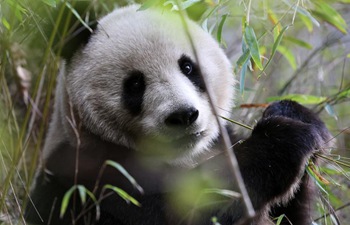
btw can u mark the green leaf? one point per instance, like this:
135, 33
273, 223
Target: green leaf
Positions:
279, 219
274, 48
6, 23
149, 3
76, 14
51, 3
125, 173
330, 110
65, 200
298, 42
123, 194
307, 22
330, 15
276, 32
242, 76
220, 27
303, 12
82, 193
288, 54
344, 94
188, 3
227, 193
253, 46
302, 99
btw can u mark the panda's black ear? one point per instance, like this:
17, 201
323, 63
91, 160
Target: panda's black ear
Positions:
71, 27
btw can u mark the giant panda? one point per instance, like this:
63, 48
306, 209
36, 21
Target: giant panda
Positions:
134, 93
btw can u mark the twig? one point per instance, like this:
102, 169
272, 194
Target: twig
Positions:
326, 44
233, 164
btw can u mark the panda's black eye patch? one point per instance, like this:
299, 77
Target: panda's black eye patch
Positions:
134, 87
191, 71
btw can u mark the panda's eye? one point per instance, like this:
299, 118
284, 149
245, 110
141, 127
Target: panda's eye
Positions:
187, 68
134, 87
135, 84
191, 70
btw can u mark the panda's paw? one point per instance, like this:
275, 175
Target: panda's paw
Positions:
295, 111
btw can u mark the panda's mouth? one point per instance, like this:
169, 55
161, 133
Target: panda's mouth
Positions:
191, 138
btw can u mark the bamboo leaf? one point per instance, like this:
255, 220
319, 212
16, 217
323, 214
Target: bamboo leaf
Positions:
298, 42
227, 193
51, 3
6, 23
307, 22
253, 46
65, 200
123, 194
243, 58
303, 12
279, 219
77, 15
220, 27
121, 169
149, 3
274, 47
82, 193
288, 55
330, 15
302, 99
242, 78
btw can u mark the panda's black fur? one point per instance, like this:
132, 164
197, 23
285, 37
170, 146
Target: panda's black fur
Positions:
272, 160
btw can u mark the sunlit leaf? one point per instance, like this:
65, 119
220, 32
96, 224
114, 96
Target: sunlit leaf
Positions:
344, 94
77, 15
220, 27
330, 15
82, 193
274, 47
223, 192
279, 219
298, 42
6, 23
302, 99
288, 54
276, 33
272, 17
123, 194
307, 22
330, 110
65, 200
121, 169
149, 3
242, 77
188, 3
51, 3
181, 5
253, 46
303, 11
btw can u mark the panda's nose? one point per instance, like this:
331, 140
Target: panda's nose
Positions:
183, 117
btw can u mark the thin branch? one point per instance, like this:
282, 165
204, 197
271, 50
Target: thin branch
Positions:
326, 44
233, 163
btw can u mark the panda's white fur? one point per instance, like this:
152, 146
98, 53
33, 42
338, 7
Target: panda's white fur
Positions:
95, 120
152, 45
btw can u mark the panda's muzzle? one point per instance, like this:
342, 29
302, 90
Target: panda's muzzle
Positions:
182, 118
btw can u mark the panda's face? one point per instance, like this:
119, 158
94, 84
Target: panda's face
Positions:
137, 83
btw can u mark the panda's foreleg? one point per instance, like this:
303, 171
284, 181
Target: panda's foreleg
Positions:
273, 159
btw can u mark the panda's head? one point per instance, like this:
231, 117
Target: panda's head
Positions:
137, 83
